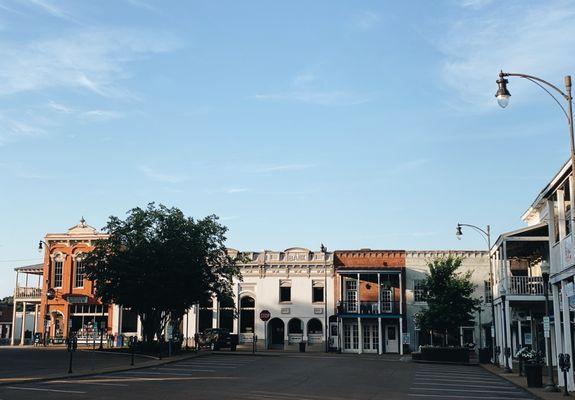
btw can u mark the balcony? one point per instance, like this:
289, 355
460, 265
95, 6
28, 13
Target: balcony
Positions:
525, 285
27, 293
368, 307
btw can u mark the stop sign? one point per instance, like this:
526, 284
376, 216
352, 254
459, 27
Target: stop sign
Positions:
265, 315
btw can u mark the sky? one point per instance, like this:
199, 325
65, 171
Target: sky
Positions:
353, 124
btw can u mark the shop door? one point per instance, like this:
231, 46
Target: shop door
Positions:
350, 337
391, 339
370, 337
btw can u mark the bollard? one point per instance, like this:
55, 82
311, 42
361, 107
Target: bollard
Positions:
72, 346
132, 349
254, 338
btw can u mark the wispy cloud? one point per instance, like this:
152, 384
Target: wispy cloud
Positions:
407, 166
61, 108
50, 8
101, 115
142, 4
158, 176
475, 4
12, 129
366, 20
284, 167
533, 38
94, 60
330, 98
19, 170
306, 88
236, 190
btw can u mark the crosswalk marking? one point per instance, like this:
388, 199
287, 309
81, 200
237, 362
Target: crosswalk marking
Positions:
34, 389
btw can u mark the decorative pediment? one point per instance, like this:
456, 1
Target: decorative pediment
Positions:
82, 228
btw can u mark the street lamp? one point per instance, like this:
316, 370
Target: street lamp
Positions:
50, 294
487, 236
506, 349
545, 270
503, 96
323, 249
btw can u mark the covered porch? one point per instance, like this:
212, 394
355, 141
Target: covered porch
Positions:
27, 298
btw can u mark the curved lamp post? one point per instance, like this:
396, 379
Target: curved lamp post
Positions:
503, 97
487, 236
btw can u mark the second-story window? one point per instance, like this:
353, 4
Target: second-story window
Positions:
285, 291
487, 293
317, 294
418, 290
79, 275
58, 269
567, 207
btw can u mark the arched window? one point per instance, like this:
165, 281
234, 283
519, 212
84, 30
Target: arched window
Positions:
295, 325
314, 326
247, 314
227, 313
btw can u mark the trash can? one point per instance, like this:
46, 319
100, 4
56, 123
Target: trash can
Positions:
302, 347
485, 355
534, 373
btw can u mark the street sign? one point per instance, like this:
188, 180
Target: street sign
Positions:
492, 331
405, 338
265, 315
546, 324
77, 299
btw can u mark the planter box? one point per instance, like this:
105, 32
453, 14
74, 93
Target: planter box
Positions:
449, 354
534, 374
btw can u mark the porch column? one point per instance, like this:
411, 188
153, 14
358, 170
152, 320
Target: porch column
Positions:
139, 334
520, 334
379, 330
13, 327
116, 319
215, 313
360, 336
400, 336
499, 332
400, 299
23, 326
567, 335
380, 336
507, 310
557, 330
358, 293
35, 319
237, 320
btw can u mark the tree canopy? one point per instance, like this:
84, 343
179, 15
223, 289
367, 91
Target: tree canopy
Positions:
449, 298
159, 263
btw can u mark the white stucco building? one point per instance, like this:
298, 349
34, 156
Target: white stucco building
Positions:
296, 286
476, 262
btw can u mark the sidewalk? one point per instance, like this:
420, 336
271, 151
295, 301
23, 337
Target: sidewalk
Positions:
116, 363
521, 381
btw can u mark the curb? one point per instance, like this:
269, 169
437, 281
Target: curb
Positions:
524, 389
102, 371
444, 363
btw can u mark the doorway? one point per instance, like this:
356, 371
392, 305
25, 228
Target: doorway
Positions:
370, 338
276, 333
391, 339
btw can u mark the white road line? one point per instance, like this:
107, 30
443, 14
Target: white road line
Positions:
152, 373
44, 390
444, 378
187, 369
87, 383
469, 390
462, 385
443, 396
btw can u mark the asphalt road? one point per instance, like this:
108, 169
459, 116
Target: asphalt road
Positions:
285, 377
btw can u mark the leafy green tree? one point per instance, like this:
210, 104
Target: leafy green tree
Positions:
449, 298
159, 263
7, 300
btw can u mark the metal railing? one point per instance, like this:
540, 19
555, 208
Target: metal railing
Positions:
27, 292
525, 285
368, 307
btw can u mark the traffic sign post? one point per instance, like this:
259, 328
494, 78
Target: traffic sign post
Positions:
265, 316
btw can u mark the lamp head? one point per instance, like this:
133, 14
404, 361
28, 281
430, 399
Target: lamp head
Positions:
502, 94
458, 232
40, 245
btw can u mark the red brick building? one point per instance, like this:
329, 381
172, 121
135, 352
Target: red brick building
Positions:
370, 291
74, 307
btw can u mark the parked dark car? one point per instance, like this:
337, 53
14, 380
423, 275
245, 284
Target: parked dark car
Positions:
217, 338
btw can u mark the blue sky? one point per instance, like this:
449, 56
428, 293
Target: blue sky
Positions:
355, 124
